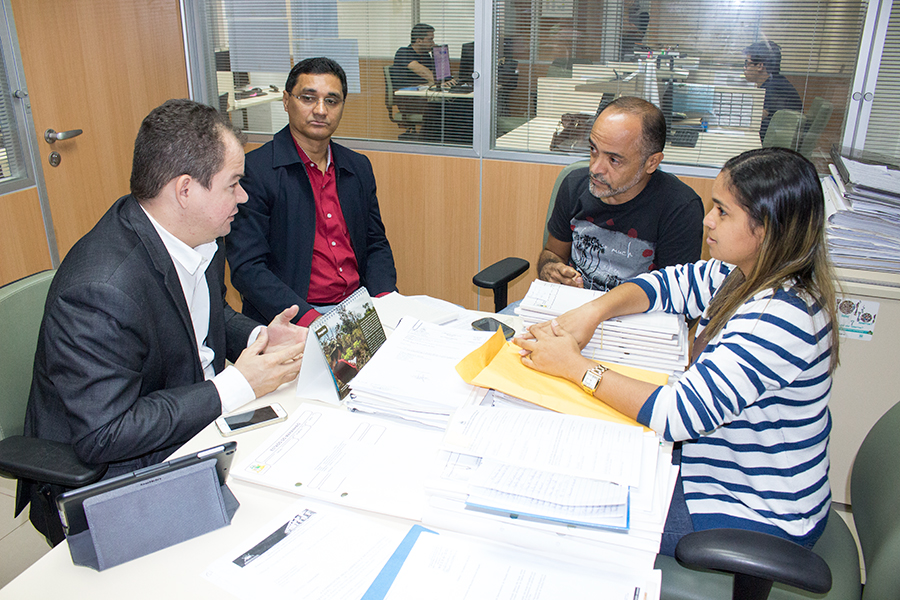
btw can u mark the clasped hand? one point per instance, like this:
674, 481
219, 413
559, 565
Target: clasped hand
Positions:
275, 356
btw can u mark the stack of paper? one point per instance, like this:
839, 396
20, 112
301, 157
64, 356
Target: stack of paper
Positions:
863, 226
320, 552
656, 341
535, 477
413, 375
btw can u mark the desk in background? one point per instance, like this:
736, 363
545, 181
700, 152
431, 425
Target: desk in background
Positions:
712, 148
447, 114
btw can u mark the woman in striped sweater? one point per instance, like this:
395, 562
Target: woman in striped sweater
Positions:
752, 409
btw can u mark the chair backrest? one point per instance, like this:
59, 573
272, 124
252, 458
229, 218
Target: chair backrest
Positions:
21, 312
562, 175
389, 91
875, 496
784, 130
819, 115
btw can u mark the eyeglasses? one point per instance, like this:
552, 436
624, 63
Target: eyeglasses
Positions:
749, 62
310, 100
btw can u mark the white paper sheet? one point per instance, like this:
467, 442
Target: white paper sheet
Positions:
346, 458
555, 442
454, 568
311, 551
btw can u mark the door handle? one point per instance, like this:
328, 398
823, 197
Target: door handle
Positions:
51, 136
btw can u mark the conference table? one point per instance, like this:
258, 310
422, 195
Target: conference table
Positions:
178, 571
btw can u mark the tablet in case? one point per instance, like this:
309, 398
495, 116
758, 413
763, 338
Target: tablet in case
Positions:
125, 517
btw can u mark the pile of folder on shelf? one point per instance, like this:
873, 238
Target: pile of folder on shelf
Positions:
862, 200
654, 341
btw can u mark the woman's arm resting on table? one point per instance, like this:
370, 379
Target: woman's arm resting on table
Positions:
554, 350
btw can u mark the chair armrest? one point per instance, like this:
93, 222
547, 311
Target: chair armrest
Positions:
755, 554
46, 461
500, 273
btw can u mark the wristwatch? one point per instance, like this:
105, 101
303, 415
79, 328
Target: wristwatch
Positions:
591, 380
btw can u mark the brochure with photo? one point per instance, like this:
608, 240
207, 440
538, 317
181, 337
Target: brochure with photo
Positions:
343, 342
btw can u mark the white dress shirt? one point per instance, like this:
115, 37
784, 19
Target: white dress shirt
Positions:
191, 265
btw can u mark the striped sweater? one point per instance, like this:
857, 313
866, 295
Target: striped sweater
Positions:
753, 409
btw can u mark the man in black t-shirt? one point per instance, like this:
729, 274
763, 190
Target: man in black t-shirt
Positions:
621, 216
414, 64
762, 66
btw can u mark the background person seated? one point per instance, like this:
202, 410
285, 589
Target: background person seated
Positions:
762, 66
622, 216
310, 233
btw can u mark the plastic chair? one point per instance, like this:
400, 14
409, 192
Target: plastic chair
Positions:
34, 460
498, 275
784, 130
875, 489
406, 120
816, 120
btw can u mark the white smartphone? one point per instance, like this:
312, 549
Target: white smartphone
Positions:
253, 419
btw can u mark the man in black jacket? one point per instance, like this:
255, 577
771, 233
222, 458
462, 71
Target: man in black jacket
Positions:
310, 233
130, 361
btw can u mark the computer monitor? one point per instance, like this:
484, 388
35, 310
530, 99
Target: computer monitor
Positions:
467, 63
441, 63
692, 100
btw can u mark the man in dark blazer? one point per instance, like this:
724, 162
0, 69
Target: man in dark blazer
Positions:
130, 362
311, 232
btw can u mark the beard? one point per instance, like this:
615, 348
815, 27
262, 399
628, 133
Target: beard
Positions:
599, 188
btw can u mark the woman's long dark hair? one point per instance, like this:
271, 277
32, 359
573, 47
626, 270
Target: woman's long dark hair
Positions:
780, 191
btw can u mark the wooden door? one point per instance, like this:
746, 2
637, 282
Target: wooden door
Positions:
99, 66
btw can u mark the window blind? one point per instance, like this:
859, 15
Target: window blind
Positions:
686, 56
257, 43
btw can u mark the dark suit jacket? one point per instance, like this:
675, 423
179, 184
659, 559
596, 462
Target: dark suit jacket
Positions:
117, 373
270, 246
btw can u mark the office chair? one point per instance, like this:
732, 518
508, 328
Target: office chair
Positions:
875, 491
784, 130
406, 120
51, 465
497, 276
816, 120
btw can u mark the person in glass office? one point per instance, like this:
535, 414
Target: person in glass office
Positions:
752, 408
414, 63
622, 215
762, 66
310, 232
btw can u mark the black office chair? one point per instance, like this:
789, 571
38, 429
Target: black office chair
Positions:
875, 494
497, 276
52, 466
404, 119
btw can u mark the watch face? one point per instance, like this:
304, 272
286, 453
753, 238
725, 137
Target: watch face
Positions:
590, 380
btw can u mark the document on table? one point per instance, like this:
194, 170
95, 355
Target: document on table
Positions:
418, 362
347, 458
531, 493
567, 444
312, 551
452, 567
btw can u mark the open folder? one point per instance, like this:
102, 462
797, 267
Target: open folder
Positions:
497, 365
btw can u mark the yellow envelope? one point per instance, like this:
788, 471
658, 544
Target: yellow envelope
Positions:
497, 365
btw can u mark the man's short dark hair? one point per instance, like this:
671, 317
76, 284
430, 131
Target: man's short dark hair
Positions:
181, 137
767, 53
653, 122
318, 65
419, 31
